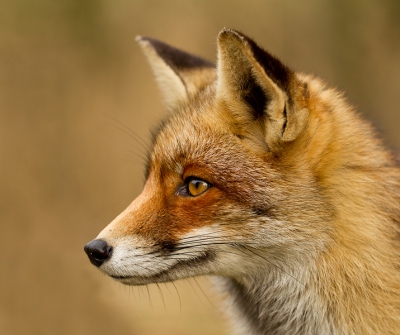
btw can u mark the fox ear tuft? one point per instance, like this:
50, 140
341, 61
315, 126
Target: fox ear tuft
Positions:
256, 88
179, 74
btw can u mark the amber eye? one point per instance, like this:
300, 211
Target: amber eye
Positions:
197, 187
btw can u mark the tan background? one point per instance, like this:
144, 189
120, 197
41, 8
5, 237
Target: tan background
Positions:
70, 72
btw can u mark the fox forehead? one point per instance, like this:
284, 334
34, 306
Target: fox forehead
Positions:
200, 133
187, 136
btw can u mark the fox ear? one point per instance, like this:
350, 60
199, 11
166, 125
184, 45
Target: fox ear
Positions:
257, 89
179, 74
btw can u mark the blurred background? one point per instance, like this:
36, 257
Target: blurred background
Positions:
72, 80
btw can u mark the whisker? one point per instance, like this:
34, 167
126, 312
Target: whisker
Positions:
184, 251
145, 151
179, 297
129, 152
194, 290
148, 293
130, 132
162, 296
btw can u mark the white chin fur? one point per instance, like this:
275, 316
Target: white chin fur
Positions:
136, 258
136, 261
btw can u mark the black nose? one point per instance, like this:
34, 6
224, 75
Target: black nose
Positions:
98, 251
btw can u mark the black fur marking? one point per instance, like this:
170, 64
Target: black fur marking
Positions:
285, 122
259, 211
262, 211
241, 137
175, 58
255, 97
168, 246
274, 68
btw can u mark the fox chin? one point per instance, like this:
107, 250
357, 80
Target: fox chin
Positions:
269, 180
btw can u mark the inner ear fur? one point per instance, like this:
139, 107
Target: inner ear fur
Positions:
257, 88
180, 75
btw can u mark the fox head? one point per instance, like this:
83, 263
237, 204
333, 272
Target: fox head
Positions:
232, 180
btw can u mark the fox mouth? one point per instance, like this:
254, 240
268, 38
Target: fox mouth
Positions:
180, 270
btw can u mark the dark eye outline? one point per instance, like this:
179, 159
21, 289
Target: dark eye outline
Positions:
184, 189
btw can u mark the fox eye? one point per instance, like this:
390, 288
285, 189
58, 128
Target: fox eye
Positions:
196, 187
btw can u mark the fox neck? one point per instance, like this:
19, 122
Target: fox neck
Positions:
277, 303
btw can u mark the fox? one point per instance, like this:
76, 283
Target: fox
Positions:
271, 183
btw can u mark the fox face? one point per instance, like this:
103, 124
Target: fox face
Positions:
215, 193
264, 177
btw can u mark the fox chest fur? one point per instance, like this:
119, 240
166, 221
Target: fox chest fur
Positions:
269, 181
